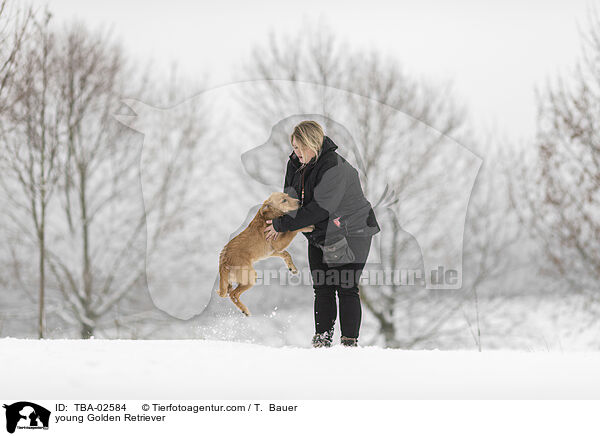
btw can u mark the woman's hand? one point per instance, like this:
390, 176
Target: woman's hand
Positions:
271, 233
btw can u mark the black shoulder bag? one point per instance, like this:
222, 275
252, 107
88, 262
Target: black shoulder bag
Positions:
337, 252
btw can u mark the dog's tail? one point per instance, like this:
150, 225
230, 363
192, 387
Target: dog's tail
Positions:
224, 285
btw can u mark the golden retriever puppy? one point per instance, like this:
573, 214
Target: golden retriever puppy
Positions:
238, 256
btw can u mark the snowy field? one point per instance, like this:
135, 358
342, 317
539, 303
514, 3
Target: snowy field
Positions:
195, 369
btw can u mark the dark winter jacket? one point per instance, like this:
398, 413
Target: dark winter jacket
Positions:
331, 190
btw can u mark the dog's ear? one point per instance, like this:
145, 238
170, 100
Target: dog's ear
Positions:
266, 209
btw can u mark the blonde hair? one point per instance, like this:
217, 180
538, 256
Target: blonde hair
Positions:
309, 135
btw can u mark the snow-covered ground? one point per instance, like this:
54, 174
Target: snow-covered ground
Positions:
196, 369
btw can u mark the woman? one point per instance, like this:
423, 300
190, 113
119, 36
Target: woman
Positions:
332, 199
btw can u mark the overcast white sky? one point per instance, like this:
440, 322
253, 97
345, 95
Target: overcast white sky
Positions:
495, 52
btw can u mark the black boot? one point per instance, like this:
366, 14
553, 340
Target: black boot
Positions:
349, 342
323, 340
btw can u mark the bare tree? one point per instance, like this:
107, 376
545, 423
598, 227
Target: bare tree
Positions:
15, 22
31, 145
104, 217
99, 244
556, 188
73, 171
399, 109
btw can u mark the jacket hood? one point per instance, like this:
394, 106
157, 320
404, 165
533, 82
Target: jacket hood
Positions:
328, 145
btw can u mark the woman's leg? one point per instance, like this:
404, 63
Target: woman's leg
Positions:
325, 307
350, 308
350, 312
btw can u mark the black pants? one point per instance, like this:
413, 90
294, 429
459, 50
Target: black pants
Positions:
327, 279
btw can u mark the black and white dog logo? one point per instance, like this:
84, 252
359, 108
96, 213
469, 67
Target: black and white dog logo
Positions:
26, 415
